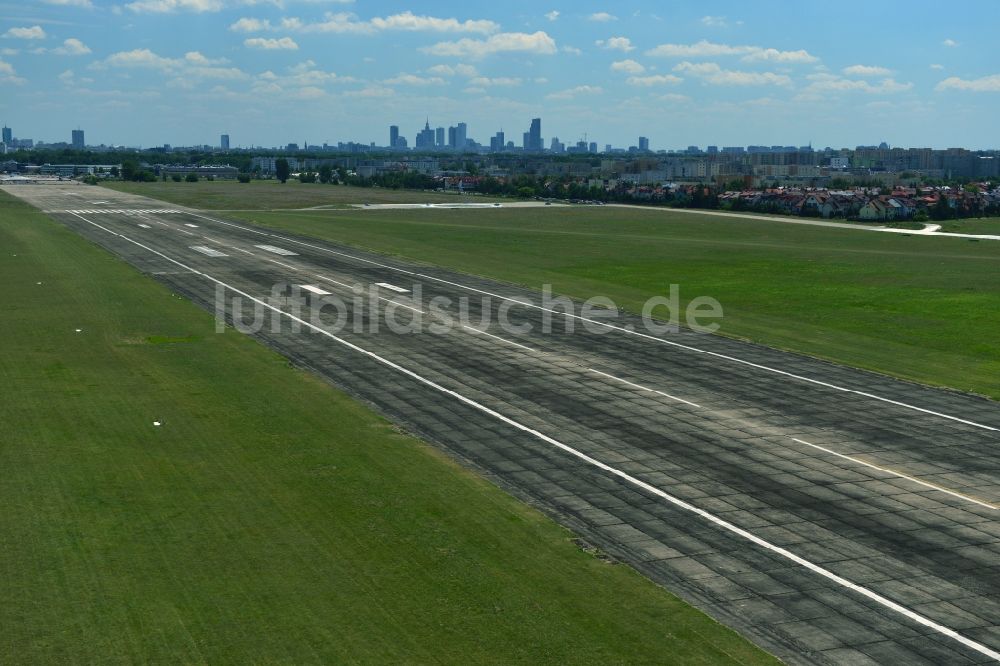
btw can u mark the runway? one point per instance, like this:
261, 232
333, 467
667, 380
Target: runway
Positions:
829, 514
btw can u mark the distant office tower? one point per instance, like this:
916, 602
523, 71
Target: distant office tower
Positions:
8, 136
452, 133
439, 137
607, 147
593, 146
393, 136
425, 137
224, 142
643, 143
497, 144
78, 139
461, 138
533, 137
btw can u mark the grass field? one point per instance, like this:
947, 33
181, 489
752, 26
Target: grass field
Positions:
985, 225
270, 194
926, 309
270, 518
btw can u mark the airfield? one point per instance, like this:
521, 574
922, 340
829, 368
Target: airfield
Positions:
828, 514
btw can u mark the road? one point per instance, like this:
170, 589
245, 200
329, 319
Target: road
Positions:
829, 514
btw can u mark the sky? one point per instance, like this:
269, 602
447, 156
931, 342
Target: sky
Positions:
270, 72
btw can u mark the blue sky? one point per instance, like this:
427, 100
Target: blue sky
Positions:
268, 72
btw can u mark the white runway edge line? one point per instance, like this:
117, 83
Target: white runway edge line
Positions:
643, 388
473, 329
933, 486
676, 501
620, 329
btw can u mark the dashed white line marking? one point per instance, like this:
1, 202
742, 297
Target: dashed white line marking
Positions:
283, 265
620, 329
381, 298
211, 252
473, 329
643, 388
277, 250
625, 476
315, 289
899, 474
392, 287
193, 226
145, 226
239, 249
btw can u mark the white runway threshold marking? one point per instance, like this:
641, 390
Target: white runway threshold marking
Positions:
315, 289
933, 486
625, 476
643, 388
211, 252
392, 287
277, 250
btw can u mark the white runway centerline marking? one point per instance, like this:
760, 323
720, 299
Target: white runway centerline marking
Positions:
473, 329
211, 252
188, 224
392, 287
625, 476
644, 388
273, 261
315, 290
145, 226
277, 250
899, 474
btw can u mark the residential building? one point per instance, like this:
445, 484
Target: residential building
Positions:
224, 142
644, 144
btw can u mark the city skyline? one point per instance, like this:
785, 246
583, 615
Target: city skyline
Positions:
149, 72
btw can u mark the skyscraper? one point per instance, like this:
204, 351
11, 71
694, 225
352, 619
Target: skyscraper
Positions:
8, 135
393, 136
461, 138
224, 142
643, 144
425, 137
497, 144
78, 139
452, 133
533, 137
439, 137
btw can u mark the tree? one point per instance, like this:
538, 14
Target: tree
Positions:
130, 170
176, 177
243, 178
191, 178
281, 169
325, 174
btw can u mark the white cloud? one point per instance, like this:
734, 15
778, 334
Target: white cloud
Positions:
143, 58
710, 72
282, 44
675, 98
602, 17
553, 15
780, 56
72, 47
193, 65
8, 74
937, 66
717, 21
170, 6
371, 91
9, 51
572, 50
452, 70
707, 49
483, 81
250, 25
86, 4
616, 44
570, 93
628, 66
414, 80
34, 32
474, 91
67, 77
505, 42
950, 43
825, 83
866, 70
983, 84
344, 22
654, 80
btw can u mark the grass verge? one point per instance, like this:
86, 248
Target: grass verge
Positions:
269, 518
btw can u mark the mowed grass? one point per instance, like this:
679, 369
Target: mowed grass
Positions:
271, 194
270, 519
983, 225
926, 309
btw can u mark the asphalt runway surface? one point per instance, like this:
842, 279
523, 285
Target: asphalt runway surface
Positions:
829, 514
